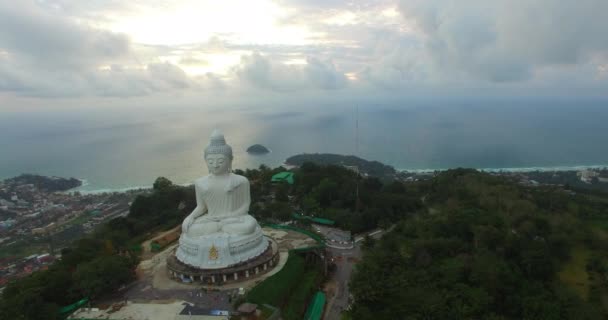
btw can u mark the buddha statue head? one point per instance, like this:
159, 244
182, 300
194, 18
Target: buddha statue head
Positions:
218, 154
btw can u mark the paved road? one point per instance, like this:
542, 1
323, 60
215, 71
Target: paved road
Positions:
344, 270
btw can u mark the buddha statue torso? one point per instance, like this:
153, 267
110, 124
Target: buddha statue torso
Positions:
220, 223
224, 195
226, 199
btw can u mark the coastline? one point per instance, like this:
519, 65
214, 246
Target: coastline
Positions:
108, 190
122, 189
516, 169
87, 183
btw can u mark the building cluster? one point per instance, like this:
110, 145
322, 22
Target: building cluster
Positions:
14, 269
29, 211
591, 176
521, 177
412, 176
556, 177
34, 220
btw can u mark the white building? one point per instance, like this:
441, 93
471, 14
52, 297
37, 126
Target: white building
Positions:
587, 175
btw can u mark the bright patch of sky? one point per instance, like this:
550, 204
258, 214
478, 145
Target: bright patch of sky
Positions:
187, 22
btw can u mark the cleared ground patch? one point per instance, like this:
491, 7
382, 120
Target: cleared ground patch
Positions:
574, 272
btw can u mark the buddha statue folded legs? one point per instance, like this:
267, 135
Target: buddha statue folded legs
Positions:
237, 226
219, 232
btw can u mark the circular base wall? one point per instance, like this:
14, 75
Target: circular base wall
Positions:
261, 264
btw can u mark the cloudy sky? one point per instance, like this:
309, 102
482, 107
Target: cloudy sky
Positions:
94, 51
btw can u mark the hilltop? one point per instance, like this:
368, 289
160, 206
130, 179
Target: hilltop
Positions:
44, 183
371, 168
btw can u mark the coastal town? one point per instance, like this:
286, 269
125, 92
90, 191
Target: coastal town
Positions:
40, 215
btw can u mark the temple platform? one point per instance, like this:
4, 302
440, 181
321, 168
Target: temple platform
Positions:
244, 271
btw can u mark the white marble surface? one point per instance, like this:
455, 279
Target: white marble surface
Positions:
219, 232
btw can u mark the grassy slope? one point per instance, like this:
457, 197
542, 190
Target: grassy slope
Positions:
574, 273
289, 289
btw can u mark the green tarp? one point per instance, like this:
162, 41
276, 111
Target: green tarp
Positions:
313, 235
71, 308
155, 246
283, 176
315, 220
315, 308
323, 221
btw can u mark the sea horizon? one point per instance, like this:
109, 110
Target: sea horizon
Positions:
121, 149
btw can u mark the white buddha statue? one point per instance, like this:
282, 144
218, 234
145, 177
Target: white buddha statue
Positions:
219, 232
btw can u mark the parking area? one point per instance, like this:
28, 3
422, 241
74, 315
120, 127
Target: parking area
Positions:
335, 238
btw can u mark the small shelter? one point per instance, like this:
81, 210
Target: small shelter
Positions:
322, 221
286, 176
247, 310
196, 313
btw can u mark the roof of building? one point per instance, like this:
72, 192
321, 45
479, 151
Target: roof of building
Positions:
323, 221
247, 307
71, 308
314, 219
194, 310
283, 176
316, 306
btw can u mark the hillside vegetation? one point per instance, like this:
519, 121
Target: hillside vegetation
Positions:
98, 265
463, 245
487, 248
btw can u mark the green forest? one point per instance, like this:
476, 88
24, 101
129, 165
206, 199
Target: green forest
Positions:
331, 192
462, 245
483, 247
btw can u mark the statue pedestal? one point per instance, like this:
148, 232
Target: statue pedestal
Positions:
220, 250
243, 271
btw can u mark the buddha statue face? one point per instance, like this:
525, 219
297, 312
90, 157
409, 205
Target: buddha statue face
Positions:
218, 164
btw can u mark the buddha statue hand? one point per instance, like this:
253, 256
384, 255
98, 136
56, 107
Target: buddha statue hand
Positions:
187, 223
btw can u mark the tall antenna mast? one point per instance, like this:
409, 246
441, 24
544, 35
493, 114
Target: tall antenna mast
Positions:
357, 131
357, 155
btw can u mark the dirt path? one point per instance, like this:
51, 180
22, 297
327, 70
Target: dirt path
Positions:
145, 246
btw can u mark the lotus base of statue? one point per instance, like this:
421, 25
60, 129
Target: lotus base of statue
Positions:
214, 277
220, 250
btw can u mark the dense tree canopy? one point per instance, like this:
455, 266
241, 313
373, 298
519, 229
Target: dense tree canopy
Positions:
485, 248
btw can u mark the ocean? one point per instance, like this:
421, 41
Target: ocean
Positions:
125, 148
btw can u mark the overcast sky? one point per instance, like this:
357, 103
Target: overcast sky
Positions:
94, 51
